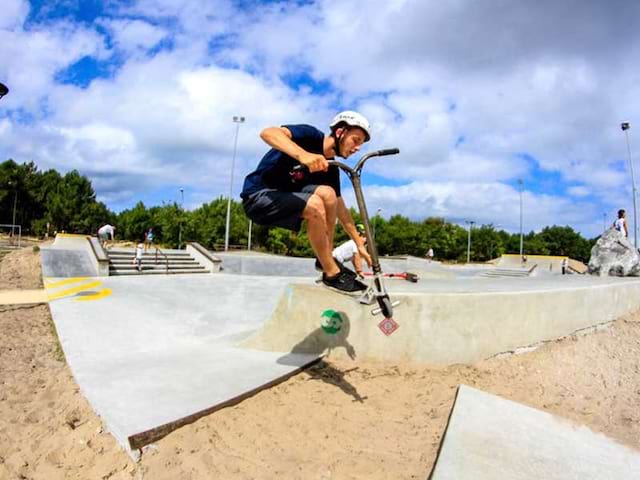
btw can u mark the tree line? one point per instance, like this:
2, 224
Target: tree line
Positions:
48, 202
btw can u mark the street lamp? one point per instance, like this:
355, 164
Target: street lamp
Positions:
470, 223
375, 221
521, 183
14, 184
626, 126
249, 240
604, 221
494, 228
237, 121
3, 90
180, 220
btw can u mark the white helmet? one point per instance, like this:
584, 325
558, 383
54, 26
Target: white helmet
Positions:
353, 119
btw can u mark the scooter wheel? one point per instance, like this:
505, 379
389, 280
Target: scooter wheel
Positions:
385, 307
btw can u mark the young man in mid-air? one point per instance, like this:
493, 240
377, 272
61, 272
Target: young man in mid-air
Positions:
272, 195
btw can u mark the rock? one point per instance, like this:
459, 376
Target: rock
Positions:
614, 255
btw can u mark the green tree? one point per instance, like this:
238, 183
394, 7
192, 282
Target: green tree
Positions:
70, 207
132, 223
486, 243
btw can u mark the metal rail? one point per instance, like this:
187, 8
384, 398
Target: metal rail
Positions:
166, 259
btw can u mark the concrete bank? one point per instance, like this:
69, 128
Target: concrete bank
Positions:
440, 327
489, 437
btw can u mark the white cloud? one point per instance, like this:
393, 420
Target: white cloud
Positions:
578, 191
464, 89
483, 203
31, 59
14, 13
134, 36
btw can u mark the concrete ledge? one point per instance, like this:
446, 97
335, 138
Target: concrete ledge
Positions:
99, 257
204, 257
442, 328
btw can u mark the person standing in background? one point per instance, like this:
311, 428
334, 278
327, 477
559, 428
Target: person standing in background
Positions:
621, 223
430, 254
105, 233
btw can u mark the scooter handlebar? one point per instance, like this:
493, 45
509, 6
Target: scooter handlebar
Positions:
387, 151
297, 173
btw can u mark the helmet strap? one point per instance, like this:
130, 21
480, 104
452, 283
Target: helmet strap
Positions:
337, 140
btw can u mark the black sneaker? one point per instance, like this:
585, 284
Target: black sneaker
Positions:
344, 282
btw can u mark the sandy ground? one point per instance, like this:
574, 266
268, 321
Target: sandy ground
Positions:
338, 420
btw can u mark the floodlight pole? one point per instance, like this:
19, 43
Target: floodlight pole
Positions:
375, 221
249, 240
470, 223
626, 126
15, 202
521, 183
180, 219
237, 121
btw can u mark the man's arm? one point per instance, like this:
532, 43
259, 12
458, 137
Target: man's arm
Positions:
280, 138
357, 263
350, 227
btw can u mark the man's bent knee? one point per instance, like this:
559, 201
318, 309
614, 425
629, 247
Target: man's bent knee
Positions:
326, 193
315, 208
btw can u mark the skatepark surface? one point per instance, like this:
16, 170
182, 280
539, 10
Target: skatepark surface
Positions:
154, 353
490, 438
160, 352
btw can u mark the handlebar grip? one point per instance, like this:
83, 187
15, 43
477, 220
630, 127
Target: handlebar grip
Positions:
388, 151
298, 173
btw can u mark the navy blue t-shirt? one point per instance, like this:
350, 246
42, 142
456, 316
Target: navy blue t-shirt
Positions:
274, 170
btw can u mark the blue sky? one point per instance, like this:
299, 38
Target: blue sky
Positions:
139, 96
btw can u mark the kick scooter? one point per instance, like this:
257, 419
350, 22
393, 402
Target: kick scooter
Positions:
376, 291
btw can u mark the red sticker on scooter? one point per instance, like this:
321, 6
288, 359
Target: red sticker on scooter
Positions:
388, 326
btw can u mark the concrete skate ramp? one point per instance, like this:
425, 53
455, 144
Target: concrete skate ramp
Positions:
548, 263
68, 256
159, 352
252, 263
490, 438
262, 264
446, 323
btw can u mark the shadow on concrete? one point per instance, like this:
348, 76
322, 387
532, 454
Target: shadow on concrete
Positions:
332, 334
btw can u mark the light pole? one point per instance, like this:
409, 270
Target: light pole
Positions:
626, 126
180, 219
604, 221
375, 221
237, 121
495, 229
470, 223
3, 90
521, 183
14, 184
249, 241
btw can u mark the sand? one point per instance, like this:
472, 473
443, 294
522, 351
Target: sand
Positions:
337, 420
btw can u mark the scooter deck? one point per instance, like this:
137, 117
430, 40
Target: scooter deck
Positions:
362, 297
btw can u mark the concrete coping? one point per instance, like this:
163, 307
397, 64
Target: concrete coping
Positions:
98, 251
100, 257
204, 257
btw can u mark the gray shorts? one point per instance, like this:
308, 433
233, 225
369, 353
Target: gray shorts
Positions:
274, 208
